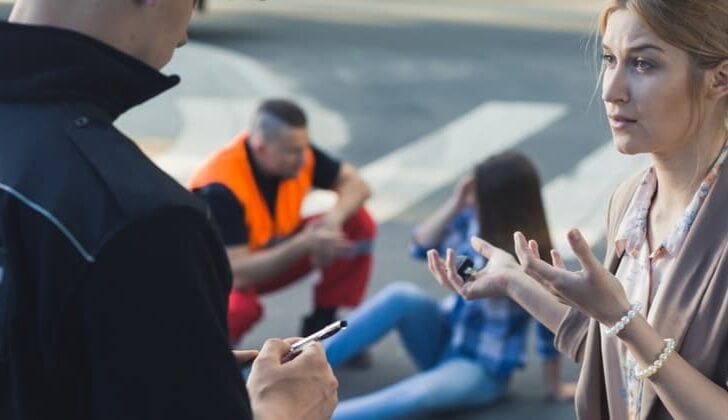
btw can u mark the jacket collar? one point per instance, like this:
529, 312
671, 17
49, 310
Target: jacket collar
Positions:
42, 63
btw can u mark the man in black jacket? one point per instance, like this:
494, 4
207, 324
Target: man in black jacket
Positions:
113, 285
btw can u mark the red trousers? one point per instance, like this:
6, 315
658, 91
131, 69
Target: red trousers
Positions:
342, 283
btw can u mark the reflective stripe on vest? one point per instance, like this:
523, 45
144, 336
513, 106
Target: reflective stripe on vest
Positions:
230, 166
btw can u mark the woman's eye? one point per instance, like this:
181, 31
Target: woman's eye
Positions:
608, 59
642, 65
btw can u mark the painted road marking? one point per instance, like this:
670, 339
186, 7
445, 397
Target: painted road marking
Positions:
410, 173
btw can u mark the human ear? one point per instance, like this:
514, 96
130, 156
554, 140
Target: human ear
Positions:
256, 143
718, 81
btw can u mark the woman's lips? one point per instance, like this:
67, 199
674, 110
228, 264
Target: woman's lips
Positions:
619, 122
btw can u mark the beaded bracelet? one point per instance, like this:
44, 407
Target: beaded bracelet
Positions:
619, 326
657, 364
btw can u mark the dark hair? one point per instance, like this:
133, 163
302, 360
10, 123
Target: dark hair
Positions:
286, 111
508, 196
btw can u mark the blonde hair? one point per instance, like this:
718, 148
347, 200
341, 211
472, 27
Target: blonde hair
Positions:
698, 27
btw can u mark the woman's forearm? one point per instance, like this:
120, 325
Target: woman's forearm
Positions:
538, 302
685, 392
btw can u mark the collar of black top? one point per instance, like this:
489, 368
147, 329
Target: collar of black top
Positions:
42, 63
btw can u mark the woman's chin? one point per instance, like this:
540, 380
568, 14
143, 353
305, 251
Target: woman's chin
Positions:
627, 146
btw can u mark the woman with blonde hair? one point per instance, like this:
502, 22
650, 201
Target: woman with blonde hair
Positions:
650, 327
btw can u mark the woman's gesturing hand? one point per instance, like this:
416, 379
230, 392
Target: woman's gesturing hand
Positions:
492, 281
593, 290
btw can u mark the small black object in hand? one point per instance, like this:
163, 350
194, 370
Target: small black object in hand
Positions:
464, 266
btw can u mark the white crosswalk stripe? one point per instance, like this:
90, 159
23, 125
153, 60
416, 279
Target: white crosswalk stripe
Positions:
409, 174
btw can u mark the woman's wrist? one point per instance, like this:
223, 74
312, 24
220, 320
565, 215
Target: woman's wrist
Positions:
642, 339
638, 331
517, 283
615, 327
616, 312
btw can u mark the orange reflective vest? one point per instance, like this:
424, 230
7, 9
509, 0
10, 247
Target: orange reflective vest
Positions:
230, 166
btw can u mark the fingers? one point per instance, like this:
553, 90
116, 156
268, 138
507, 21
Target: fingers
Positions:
291, 340
450, 268
439, 269
304, 387
273, 350
313, 358
245, 356
521, 247
433, 264
276, 350
483, 247
531, 264
313, 351
432, 261
582, 250
557, 260
533, 246
451, 272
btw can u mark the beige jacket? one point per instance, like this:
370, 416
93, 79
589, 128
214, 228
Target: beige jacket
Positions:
694, 311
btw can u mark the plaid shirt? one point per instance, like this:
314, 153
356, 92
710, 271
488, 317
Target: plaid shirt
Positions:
493, 330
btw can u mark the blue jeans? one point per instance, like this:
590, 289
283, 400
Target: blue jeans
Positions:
447, 381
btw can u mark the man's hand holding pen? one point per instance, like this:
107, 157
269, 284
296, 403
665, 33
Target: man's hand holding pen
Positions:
306, 382
292, 370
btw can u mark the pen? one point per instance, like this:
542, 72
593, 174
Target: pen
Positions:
298, 346
319, 335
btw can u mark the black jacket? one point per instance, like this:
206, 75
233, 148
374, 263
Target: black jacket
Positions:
113, 291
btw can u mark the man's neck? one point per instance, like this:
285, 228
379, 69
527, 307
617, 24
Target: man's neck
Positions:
105, 23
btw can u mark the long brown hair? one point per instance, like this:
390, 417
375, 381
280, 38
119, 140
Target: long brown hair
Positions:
508, 199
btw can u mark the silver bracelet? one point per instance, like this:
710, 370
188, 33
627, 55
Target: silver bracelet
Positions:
629, 316
657, 364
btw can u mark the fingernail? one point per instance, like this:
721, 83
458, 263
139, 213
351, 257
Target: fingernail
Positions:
574, 235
